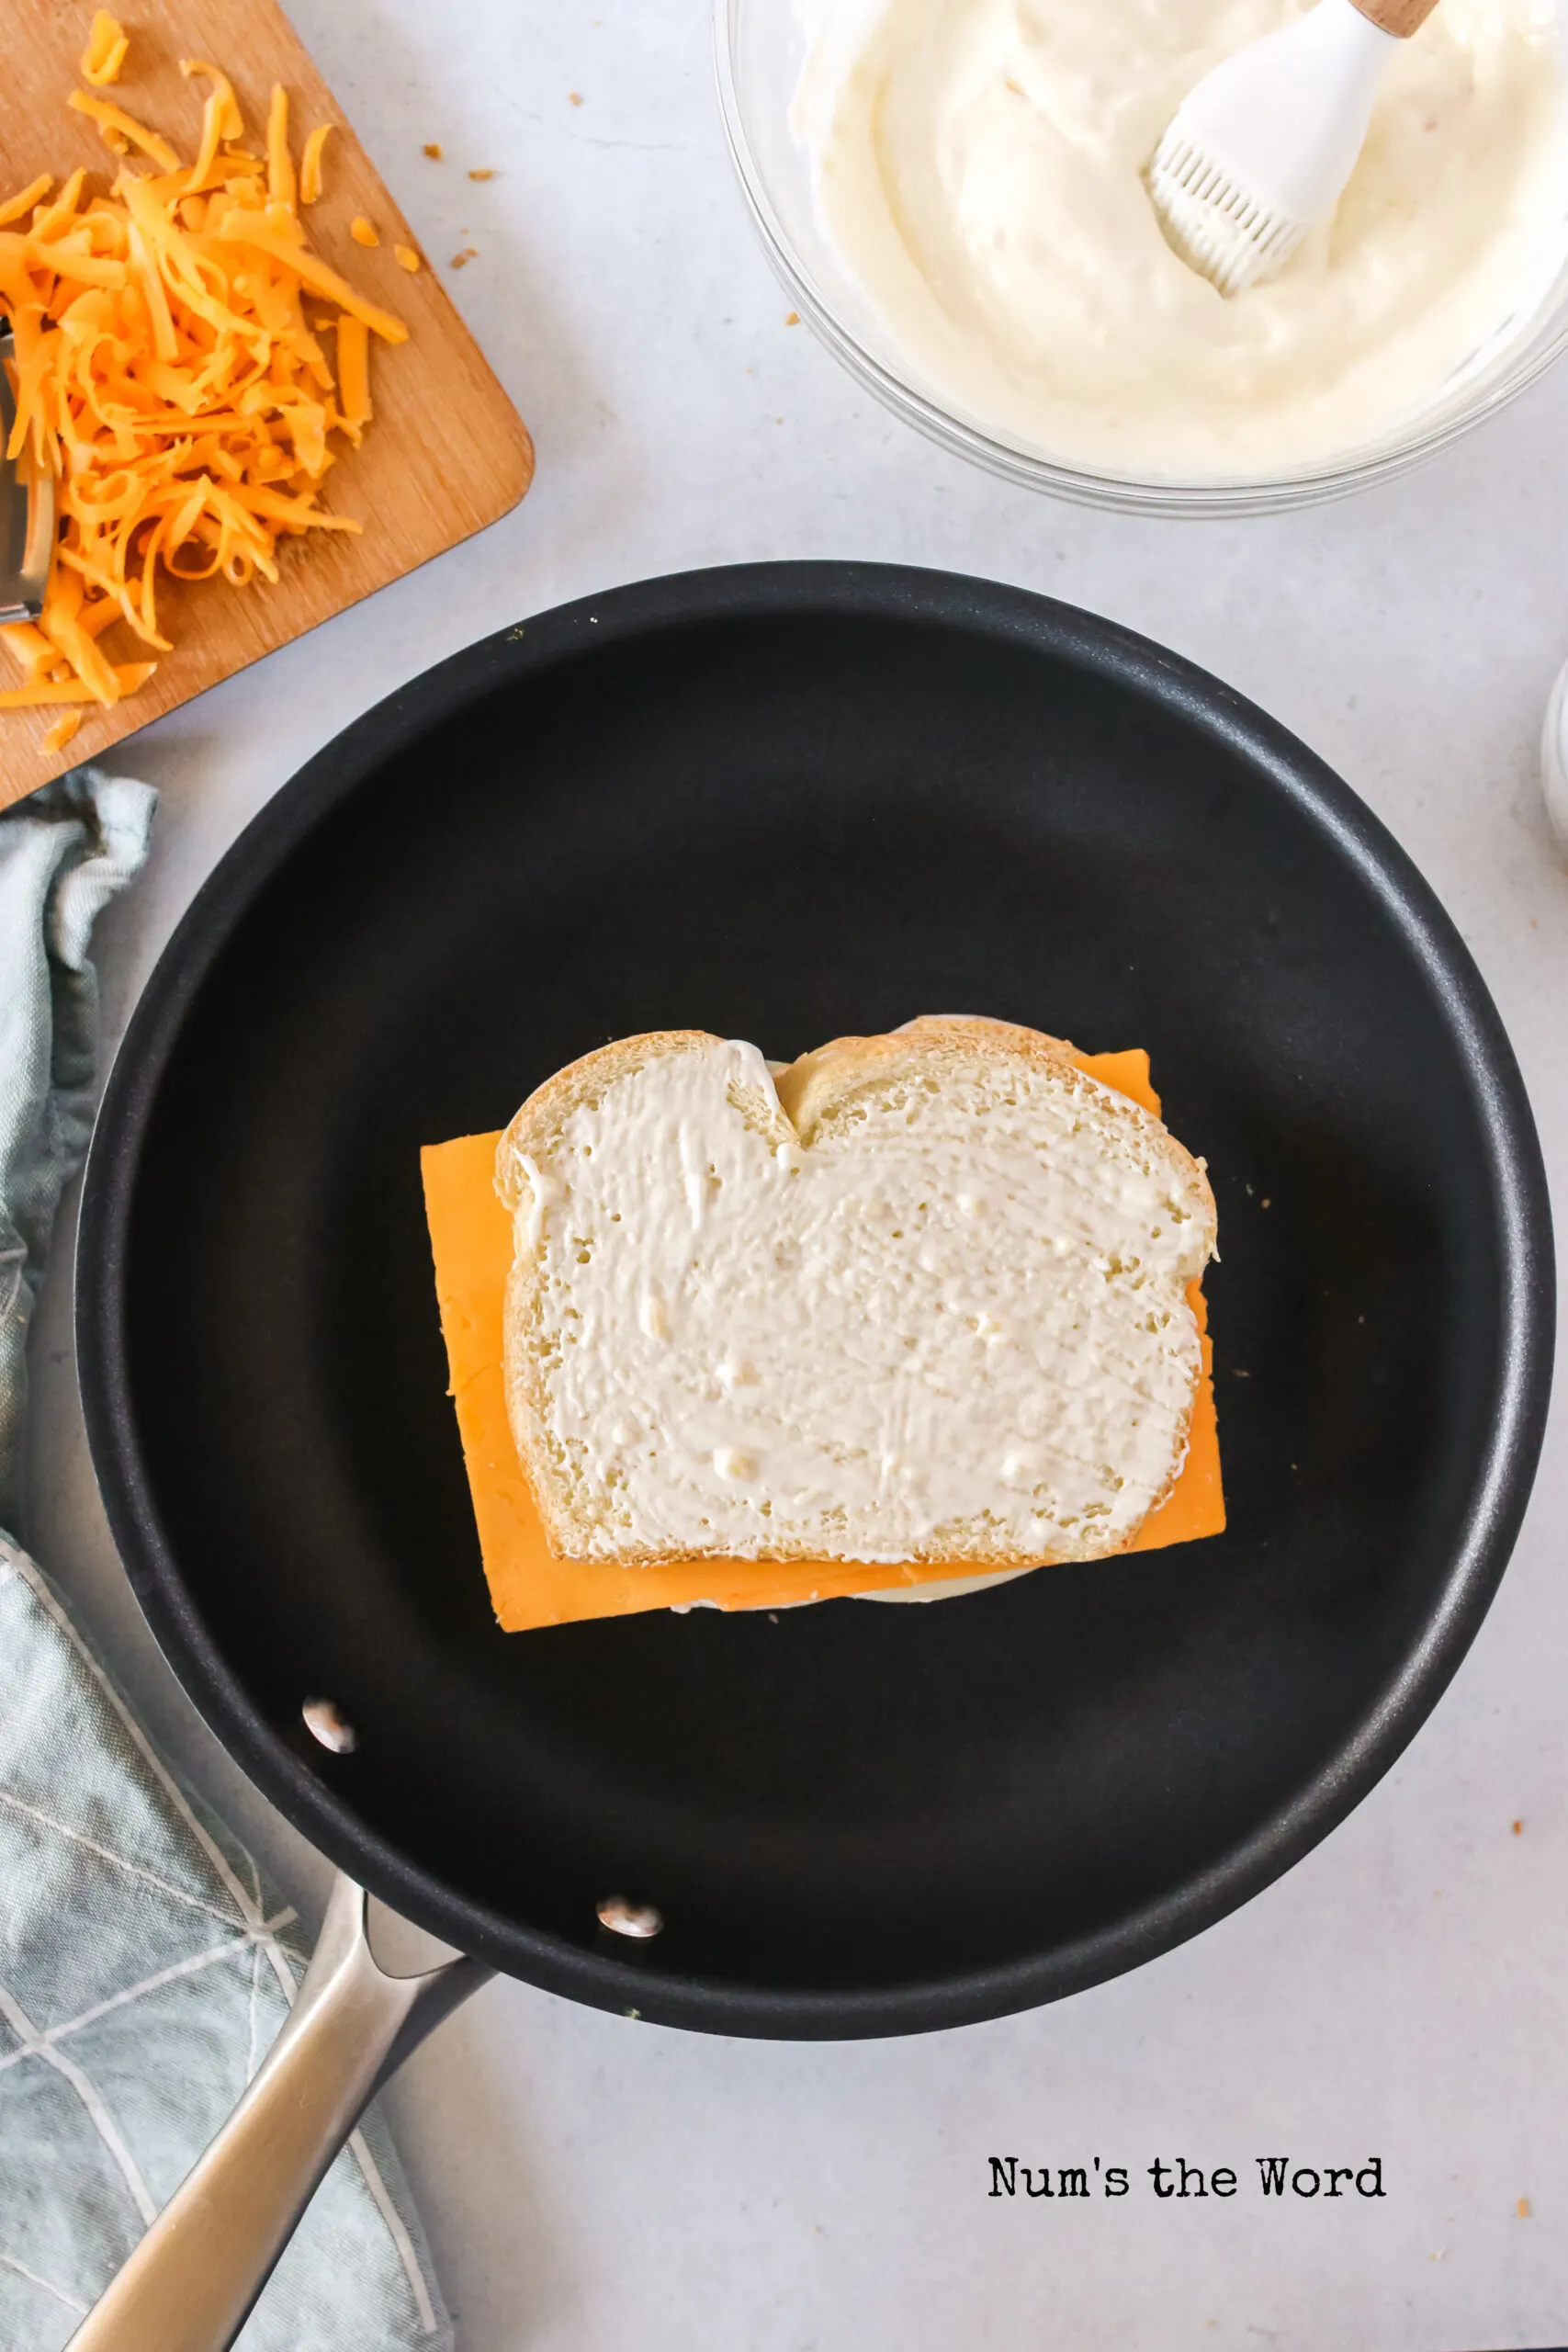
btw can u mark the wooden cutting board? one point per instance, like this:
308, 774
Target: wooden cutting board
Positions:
447, 452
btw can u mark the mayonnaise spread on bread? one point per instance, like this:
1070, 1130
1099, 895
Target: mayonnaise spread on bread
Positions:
946, 1318
978, 168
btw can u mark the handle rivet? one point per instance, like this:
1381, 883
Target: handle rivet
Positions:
323, 1722
623, 1918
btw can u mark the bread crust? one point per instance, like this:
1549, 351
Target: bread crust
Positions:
812, 1092
824, 1081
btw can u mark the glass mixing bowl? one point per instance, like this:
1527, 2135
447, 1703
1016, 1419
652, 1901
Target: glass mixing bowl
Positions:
759, 49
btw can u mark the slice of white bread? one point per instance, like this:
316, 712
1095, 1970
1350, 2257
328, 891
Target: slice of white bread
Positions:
920, 1297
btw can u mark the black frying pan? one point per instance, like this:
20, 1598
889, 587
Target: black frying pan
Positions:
784, 802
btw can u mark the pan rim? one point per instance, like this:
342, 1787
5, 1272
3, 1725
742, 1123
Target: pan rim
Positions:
1139, 666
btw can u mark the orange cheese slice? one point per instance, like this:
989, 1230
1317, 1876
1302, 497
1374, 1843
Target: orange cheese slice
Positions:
471, 1240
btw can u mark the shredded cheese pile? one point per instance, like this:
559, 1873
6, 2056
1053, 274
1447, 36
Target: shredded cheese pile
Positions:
168, 375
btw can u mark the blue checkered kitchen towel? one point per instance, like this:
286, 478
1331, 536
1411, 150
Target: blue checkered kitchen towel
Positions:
143, 1966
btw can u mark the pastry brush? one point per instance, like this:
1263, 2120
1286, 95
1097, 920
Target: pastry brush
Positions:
1262, 148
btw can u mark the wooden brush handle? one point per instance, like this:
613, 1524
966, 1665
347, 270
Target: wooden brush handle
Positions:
1400, 18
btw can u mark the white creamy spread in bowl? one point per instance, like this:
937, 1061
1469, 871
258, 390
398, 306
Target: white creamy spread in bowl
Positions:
976, 169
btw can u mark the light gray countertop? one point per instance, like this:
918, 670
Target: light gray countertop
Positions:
591, 2183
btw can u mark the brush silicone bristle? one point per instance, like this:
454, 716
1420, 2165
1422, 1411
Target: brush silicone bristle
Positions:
1217, 226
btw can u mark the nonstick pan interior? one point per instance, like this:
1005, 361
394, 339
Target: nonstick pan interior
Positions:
784, 803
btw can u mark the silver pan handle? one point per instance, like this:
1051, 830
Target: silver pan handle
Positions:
190, 2285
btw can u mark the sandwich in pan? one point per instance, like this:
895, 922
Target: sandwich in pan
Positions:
914, 1310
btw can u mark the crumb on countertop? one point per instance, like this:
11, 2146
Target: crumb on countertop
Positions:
485, 172
433, 149
576, 96
461, 260
792, 318
1518, 1828
1523, 2209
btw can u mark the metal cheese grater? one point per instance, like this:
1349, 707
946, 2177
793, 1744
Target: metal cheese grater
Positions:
27, 515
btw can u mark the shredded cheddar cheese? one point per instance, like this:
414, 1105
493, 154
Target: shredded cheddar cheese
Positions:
282, 187
363, 231
122, 129
166, 373
104, 55
33, 194
406, 258
353, 370
311, 164
44, 694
